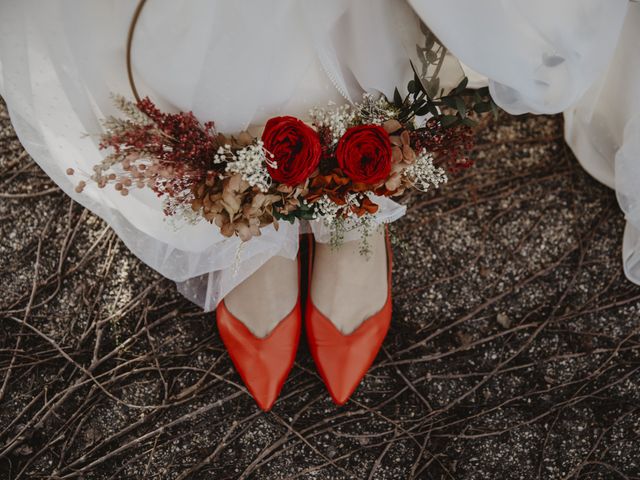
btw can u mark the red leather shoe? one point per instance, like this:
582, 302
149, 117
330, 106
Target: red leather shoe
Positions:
263, 363
343, 360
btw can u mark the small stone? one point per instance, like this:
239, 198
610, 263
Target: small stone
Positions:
503, 320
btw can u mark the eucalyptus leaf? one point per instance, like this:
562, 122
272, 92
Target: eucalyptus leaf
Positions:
415, 106
483, 92
424, 110
461, 107
291, 218
416, 78
449, 101
461, 86
448, 120
397, 98
482, 107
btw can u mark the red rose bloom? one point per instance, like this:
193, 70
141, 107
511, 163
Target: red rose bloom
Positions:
295, 148
364, 154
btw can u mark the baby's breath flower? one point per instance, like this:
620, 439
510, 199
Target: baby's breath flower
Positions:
340, 219
374, 110
423, 174
180, 212
250, 162
337, 119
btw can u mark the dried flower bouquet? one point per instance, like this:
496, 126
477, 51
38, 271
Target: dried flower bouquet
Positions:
331, 170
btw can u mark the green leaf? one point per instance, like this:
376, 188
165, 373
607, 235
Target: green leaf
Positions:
286, 218
416, 79
448, 120
469, 122
449, 101
415, 106
423, 110
461, 86
412, 87
461, 107
482, 107
397, 98
483, 92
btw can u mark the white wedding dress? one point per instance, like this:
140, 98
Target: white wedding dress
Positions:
239, 63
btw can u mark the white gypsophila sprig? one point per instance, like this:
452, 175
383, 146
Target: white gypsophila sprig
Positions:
336, 118
332, 216
181, 214
374, 110
177, 207
340, 219
250, 162
327, 210
423, 174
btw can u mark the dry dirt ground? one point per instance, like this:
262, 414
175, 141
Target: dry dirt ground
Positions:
514, 351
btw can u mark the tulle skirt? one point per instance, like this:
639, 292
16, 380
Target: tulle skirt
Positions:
236, 63
240, 63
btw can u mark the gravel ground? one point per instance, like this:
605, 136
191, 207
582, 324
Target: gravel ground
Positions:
513, 354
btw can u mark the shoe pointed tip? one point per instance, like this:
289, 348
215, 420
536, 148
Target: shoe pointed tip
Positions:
263, 363
265, 403
341, 396
340, 402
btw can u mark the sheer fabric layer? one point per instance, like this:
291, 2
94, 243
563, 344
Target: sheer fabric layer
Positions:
237, 63
576, 56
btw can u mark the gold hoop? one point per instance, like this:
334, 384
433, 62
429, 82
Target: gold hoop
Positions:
132, 27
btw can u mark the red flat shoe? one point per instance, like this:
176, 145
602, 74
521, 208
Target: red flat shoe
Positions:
263, 363
343, 360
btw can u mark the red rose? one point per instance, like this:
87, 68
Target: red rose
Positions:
295, 148
364, 154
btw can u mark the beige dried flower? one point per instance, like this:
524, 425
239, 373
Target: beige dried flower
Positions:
402, 156
235, 206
